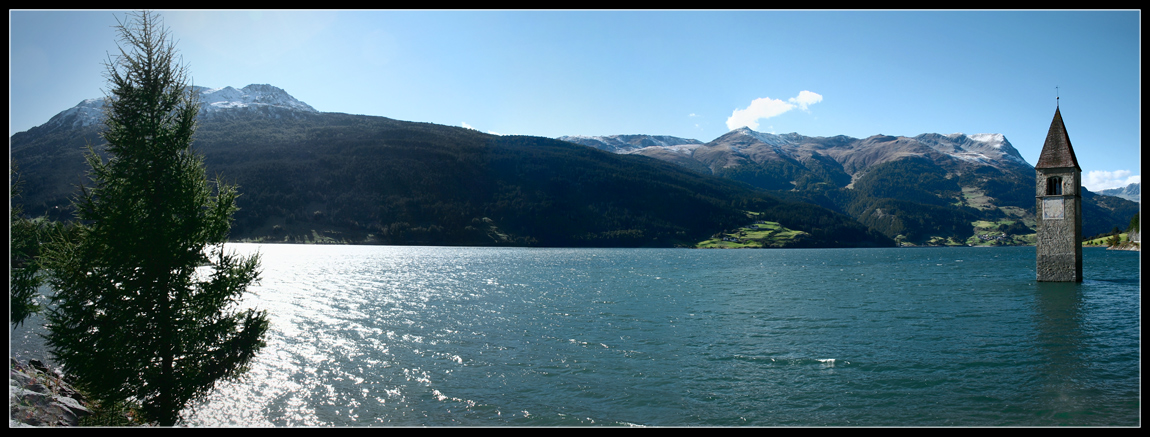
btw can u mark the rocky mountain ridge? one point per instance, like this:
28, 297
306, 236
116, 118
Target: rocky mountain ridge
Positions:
254, 95
936, 182
1132, 192
308, 176
744, 145
919, 187
214, 101
630, 143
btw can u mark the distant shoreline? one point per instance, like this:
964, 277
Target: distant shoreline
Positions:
1132, 246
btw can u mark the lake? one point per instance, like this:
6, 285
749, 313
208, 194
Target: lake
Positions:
442, 336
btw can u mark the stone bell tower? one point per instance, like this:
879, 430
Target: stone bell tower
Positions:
1059, 208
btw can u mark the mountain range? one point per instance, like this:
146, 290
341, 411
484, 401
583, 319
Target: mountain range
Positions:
744, 147
916, 189
332, 176
313, 176
1132, 192
215, 102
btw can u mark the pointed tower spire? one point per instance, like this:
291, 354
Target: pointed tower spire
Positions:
1057, 152
1058, 195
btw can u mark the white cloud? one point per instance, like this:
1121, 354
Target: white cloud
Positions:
1099, 180
805, 98
767, 107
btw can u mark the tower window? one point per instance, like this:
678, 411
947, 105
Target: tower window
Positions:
1053, 186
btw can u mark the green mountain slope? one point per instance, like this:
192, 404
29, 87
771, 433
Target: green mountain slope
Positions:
329, 177
918, 189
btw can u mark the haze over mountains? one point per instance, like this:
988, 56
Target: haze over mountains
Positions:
305, 174
1132, 192
743, 146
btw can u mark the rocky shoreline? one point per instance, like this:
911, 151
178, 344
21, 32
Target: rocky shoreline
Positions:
39, 396
1135, 246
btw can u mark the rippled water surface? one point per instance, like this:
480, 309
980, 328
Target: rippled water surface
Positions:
509, 336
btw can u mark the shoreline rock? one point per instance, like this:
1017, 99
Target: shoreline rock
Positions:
39, 396
1127, 246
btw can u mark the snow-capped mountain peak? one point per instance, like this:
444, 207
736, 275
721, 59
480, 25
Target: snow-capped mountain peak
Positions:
772, 139
255, 95
982, 148
993, 140
212, 102
87, 112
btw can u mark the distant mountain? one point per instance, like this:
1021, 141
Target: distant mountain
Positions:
631, 143
86, 113
1132, 192
213, 101
663, 147
311, 176
217, 99
915, 188
851, 156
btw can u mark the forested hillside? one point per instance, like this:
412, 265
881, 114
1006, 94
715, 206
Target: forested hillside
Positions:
917, 189
338, 177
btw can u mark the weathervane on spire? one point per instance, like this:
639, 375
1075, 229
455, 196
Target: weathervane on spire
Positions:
1056, 97
1058, 207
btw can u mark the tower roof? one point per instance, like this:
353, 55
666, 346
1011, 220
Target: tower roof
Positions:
1056, 152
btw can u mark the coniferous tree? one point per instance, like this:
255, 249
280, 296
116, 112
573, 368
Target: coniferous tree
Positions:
147, 300
23, 268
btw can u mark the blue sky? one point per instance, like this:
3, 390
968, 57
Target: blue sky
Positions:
692, 74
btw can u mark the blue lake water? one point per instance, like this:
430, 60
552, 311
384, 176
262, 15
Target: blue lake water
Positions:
436, 336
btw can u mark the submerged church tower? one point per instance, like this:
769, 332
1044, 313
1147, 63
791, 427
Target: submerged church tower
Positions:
1059, 208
